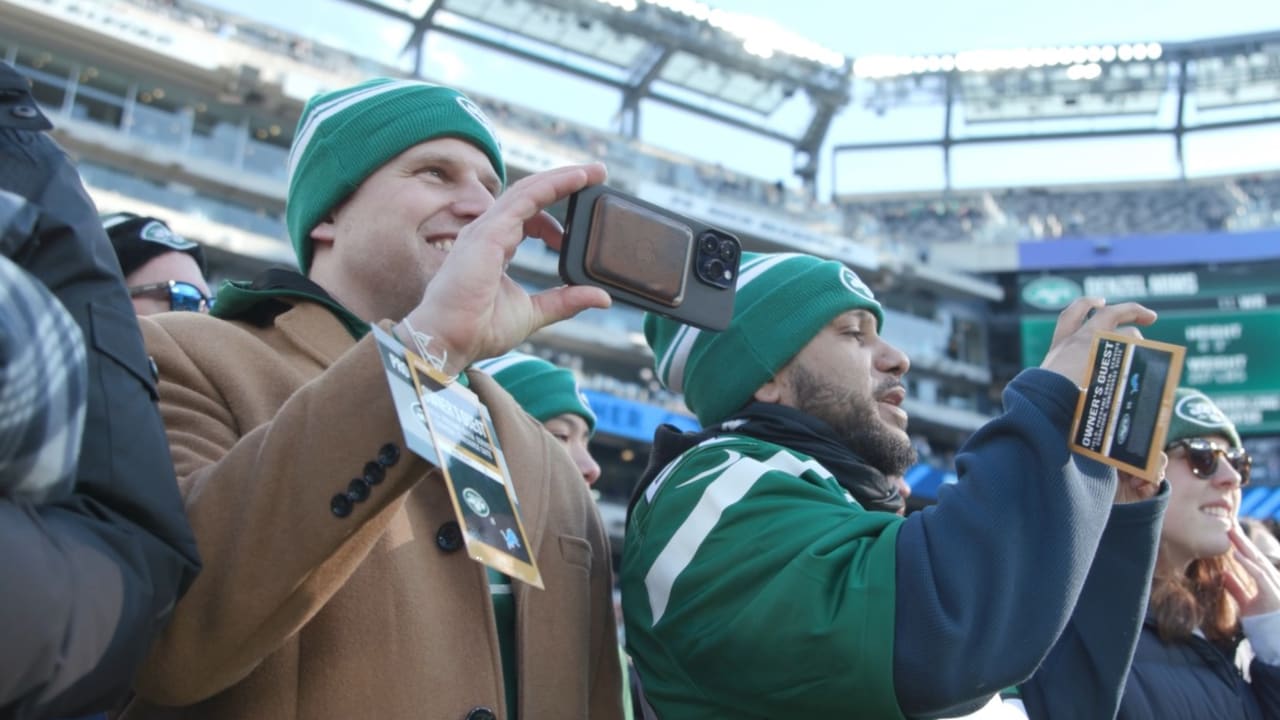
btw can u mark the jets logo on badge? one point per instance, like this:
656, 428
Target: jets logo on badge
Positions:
476, 502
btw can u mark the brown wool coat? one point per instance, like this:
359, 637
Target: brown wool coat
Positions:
302, 614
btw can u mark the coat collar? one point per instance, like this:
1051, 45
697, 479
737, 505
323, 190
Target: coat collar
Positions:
272, 293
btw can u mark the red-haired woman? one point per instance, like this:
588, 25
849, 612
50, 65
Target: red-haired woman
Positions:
1212, 588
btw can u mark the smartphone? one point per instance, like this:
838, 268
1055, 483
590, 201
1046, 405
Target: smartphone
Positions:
650, 257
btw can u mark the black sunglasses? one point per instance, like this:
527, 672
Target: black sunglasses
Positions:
182, 295
1202, 456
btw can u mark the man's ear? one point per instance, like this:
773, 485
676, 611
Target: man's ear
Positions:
325, 231
774, 391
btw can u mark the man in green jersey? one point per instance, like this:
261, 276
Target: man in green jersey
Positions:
766, 573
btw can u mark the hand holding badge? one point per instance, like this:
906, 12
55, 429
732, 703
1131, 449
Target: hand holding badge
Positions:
446, 424
1122, 416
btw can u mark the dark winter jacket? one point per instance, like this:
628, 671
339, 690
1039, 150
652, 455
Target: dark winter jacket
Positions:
88, 580
1195, 679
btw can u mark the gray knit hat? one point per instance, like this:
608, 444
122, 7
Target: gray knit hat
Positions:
1195, 415
783, 301
345, 135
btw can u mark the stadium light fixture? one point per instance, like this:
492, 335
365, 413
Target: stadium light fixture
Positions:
877, 67
1087, 71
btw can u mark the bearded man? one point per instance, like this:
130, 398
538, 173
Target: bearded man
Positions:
768, 574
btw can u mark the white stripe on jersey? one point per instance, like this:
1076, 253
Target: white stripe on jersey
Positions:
739, 476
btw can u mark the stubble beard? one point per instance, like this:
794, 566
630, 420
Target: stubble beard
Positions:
856, 421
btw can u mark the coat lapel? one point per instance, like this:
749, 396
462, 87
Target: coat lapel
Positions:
316, 333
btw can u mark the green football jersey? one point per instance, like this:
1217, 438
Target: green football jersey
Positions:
754, 586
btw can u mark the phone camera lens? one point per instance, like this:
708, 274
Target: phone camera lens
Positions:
717, 260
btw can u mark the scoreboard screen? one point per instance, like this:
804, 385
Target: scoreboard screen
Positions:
1226, 316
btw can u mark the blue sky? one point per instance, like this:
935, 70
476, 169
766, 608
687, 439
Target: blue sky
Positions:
857, 29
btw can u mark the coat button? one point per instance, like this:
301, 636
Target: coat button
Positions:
374, 473
341, 505
358, 490
389, 455
481, 713
449, 537
26, 112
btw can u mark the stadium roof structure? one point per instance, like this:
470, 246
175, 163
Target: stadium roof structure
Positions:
677, 52
1145, 88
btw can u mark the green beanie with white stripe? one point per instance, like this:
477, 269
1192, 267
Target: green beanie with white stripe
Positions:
542, 389
783, 301
345, 135
1194, 415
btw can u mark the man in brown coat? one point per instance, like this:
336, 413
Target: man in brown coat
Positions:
336, 584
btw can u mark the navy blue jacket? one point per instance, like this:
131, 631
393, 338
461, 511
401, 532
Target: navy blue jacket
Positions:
1192, 680
1016, 559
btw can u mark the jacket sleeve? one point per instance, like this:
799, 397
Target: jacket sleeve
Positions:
1084, 674
988, 578
92, 578
259, 500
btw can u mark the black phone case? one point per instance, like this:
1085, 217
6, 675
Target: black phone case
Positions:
699, 304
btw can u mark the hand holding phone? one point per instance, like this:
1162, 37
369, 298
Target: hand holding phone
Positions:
650, 257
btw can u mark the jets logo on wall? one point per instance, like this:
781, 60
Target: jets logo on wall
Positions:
1051, 293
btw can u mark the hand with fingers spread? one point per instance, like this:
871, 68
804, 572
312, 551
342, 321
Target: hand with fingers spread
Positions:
471, 307
1073, 336
1254, 582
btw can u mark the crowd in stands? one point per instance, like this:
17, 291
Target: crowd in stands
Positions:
1022, 214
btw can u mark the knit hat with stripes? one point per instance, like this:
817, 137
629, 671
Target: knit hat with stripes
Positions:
542, 389
783, 301
1195, 415
345, 135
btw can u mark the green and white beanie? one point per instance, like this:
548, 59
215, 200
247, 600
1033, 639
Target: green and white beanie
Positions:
783, 301
345, 135
1195, 415
542, 389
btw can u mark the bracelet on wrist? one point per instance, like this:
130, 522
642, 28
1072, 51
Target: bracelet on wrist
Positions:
429, 349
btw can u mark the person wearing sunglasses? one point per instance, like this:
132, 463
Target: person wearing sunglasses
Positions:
1215, 598
163, 270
